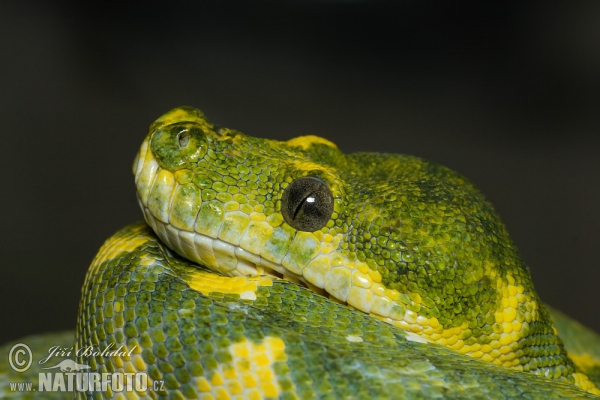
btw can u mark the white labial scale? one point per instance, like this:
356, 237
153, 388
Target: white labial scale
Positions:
145, 179
166, 233
303, 249
246, 262
272, 266
225, 255
159, 229
188, 244
173, 234
210, 218
410, 317
204, 251
382, 306
234, 226
215, 254
338, 282
416, 338
274, 248
360, 298
255, 236
147, 216
316, 271
140, 157
136, 165
159, 202
185, 206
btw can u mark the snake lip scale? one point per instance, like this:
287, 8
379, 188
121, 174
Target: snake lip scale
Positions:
246, 263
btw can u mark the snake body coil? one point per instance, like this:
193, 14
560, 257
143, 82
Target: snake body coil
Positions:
270, 269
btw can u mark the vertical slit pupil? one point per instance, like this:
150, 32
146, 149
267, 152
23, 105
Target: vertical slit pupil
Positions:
307, 204
308, 199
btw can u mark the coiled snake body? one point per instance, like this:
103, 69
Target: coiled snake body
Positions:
271, 269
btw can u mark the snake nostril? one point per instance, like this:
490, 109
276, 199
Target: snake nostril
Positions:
183, 138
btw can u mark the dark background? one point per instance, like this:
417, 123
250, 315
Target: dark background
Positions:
508, 95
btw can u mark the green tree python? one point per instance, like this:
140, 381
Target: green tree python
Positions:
268, 269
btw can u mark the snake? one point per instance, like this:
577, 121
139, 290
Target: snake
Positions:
271, 269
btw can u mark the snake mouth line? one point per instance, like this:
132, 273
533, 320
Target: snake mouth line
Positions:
220, 256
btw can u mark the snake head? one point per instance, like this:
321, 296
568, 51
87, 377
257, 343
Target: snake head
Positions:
408, 241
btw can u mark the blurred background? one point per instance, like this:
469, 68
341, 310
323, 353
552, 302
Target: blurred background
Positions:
506, 94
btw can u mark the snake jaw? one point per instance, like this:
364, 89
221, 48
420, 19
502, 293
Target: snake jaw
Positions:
220, 256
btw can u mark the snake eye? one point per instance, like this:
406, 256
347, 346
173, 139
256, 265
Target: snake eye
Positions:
307, 204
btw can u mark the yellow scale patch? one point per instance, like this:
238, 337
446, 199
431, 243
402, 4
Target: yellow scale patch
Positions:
146, 169
114, 248
501, 350
120, 247
249, 376
176, 115
583, 382
584, 362
208, 282
359, 286
306, 141
132, 364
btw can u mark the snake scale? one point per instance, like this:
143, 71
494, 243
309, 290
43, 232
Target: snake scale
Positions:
268, 269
